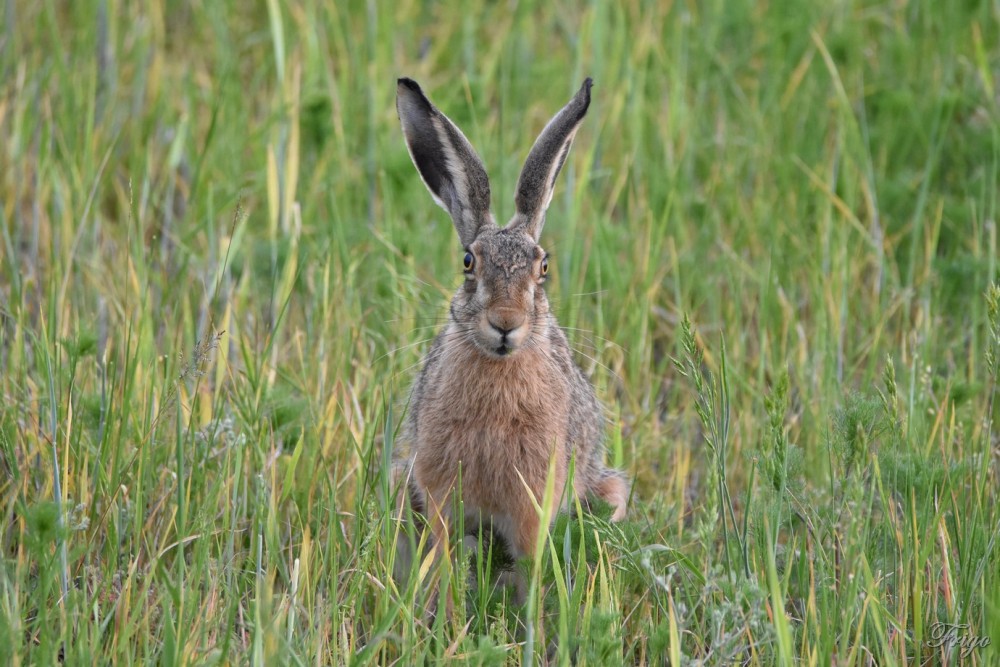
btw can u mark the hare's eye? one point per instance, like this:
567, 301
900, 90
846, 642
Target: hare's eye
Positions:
545, 265
469, 261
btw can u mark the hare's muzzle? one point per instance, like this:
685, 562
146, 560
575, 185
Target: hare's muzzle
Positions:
504, 329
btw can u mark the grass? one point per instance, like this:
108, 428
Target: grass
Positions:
774, 246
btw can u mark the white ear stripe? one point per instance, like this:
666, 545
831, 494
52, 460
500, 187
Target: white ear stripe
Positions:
445, 160
453, 164
555, 169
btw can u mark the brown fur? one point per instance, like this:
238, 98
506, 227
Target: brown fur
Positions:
499, 396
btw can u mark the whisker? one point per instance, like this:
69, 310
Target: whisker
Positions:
593, 336
575, 349
400, 348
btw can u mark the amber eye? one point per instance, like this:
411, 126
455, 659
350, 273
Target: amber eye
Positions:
545, 265
469, 261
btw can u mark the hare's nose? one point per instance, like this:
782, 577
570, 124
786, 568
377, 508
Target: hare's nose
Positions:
500, 330
504, 321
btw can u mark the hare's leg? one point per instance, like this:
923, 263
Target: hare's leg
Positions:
437, 518
525, 522
525, 518
612, 488
401, 483
514, 579
522, 545
409, 522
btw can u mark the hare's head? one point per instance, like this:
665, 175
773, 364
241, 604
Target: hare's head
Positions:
502, 304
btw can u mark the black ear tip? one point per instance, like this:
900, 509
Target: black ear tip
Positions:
408, 83
583, 96
409, 94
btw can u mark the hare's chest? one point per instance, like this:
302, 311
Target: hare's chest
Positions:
497, 424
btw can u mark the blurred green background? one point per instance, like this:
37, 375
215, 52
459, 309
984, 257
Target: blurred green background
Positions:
219, 271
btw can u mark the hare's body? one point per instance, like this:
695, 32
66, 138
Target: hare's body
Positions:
499, 397
500, 420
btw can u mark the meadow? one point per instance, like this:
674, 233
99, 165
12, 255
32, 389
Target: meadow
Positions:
774, 250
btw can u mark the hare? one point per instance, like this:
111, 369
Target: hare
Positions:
499, 395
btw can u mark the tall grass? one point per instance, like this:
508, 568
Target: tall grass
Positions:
775, 251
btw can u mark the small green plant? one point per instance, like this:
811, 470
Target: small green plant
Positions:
857, 430
774, 445
713, 409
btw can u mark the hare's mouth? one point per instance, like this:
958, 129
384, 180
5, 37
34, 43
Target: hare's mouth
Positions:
499, 340
503, 349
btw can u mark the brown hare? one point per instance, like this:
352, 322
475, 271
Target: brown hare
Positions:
499, 395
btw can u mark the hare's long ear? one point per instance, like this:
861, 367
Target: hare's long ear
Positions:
447, 163
538, 176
